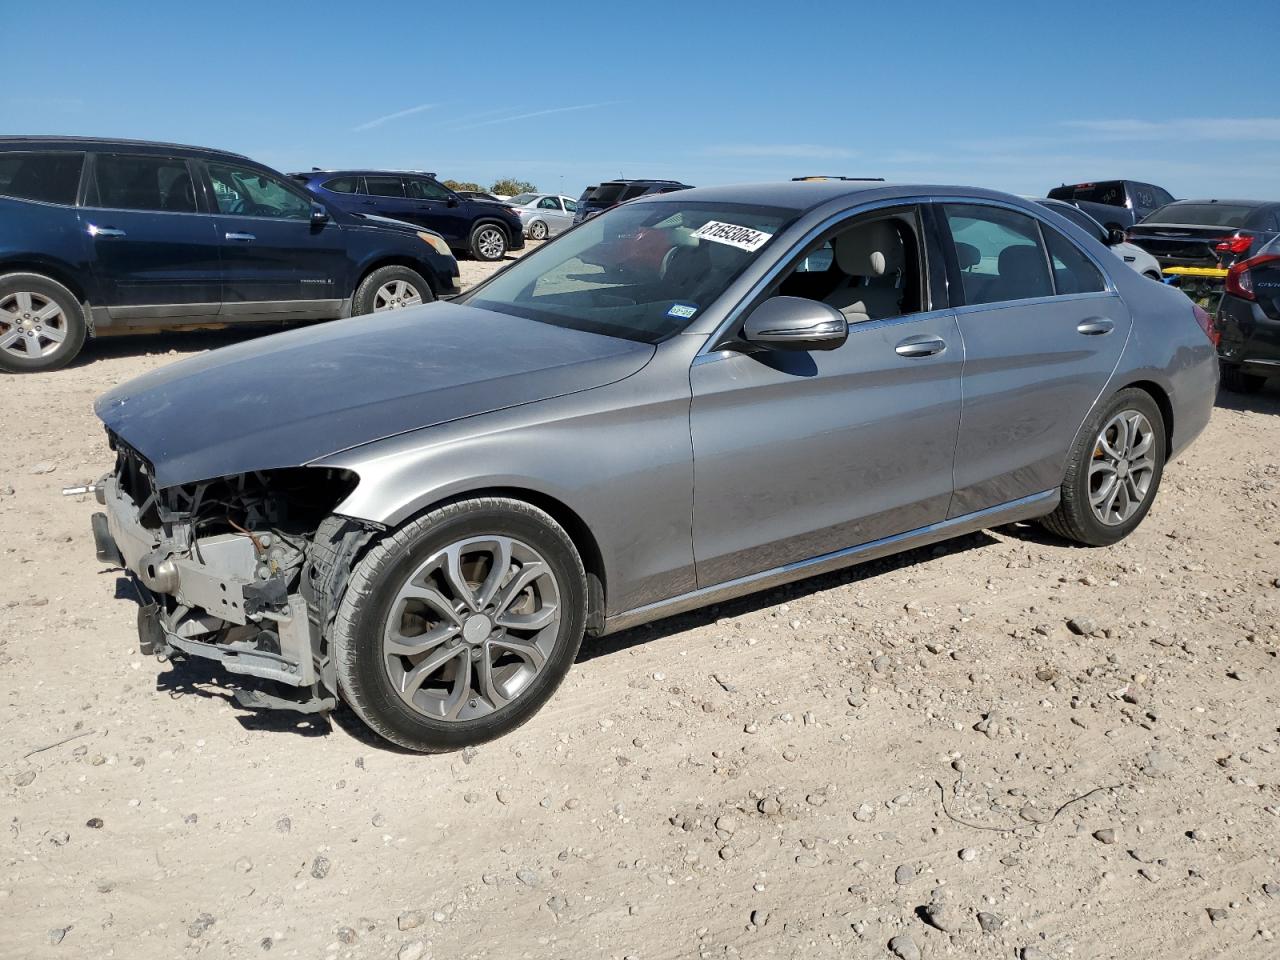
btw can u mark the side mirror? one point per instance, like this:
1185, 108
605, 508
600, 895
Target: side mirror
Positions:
1115, 237
319, 215
793, 323
453, 201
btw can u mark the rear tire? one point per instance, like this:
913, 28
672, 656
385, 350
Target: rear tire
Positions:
488, 242
390, 288
1237, 381
1103, 457
432, 667
42, 324
538, 230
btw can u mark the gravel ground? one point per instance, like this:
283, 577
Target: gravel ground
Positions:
1000, 747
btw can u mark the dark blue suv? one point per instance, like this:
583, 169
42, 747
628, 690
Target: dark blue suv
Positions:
119, 236
484, 229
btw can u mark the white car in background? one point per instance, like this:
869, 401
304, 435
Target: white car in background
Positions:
1137, 258
544, 214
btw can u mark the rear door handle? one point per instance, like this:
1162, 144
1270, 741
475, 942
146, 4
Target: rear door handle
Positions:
922, 345
1095, 327
96, 231
243, 237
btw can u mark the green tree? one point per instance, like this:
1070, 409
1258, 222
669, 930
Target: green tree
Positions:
462, 185
509, 187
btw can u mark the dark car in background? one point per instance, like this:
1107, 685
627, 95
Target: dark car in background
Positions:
1207, 233
110, 236
1249, 321
610, 193
483, 229
1114, 203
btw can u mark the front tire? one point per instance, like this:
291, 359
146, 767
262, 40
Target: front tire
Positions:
458, 627
390, 288
42, 324
1237, 381
1113, 472
488, 242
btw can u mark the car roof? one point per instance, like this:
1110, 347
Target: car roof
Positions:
363, 173
88, 143
806, 195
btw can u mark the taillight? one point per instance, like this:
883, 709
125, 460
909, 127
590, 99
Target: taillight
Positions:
1237, 244
1206, 324
1239, 282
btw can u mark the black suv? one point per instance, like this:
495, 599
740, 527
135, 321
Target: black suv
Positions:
1115, 204
613, 192
119, 236
485, 229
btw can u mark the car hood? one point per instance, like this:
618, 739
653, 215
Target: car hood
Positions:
288, 399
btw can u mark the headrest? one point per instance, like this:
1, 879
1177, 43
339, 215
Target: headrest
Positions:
870, 250
1021, 258
968, 255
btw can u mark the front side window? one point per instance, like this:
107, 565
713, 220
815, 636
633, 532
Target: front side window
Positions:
999, 253
420, 188
1073, 272
640, 272
248, 192
343, 185
870, 268
126, 182
52, 177
571, 205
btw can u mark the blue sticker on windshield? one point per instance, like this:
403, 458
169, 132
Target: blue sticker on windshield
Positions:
682, 311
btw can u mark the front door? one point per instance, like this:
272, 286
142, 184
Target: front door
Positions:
276, 260
1043, 331
800, 454
155, 248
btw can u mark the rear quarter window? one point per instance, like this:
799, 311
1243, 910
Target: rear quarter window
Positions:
50, 177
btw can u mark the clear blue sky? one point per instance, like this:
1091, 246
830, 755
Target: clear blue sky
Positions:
1018, 96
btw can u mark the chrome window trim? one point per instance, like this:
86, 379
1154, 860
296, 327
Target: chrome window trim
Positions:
734, 313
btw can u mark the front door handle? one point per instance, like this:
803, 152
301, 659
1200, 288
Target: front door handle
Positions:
243, 237
96, 231
921, 346
1095, 327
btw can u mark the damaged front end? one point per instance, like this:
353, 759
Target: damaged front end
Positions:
244, 570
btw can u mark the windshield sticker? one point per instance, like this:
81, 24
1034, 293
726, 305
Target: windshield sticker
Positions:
744, 238
682, 311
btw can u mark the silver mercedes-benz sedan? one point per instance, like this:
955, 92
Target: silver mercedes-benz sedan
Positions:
685, 399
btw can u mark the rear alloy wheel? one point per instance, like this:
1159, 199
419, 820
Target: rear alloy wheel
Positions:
41, 324
1113, 473
1237, 381
488, 242
460, 626
391, 288
538, 230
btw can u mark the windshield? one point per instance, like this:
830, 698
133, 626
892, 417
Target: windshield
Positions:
1202, 214
640, 272
520, 199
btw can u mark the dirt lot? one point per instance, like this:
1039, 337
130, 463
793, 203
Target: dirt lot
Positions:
1002, 747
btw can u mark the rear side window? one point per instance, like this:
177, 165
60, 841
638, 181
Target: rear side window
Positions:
144, 183
608, 193
1073, 272
384, 186
548, 203
1110, 192
999, 253
343, 185
52, 177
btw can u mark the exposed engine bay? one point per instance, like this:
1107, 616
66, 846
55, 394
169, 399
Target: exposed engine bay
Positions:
245, 570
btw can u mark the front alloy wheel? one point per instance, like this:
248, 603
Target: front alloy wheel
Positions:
396, 295
459, 626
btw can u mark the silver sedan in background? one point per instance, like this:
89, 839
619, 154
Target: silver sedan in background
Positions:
690, 397
544, 214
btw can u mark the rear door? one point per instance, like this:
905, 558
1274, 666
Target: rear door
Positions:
276, 260
155, 247
1040, 346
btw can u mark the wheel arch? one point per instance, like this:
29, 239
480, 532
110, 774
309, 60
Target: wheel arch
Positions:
57, 271
483, 221
579, 532
397, 260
